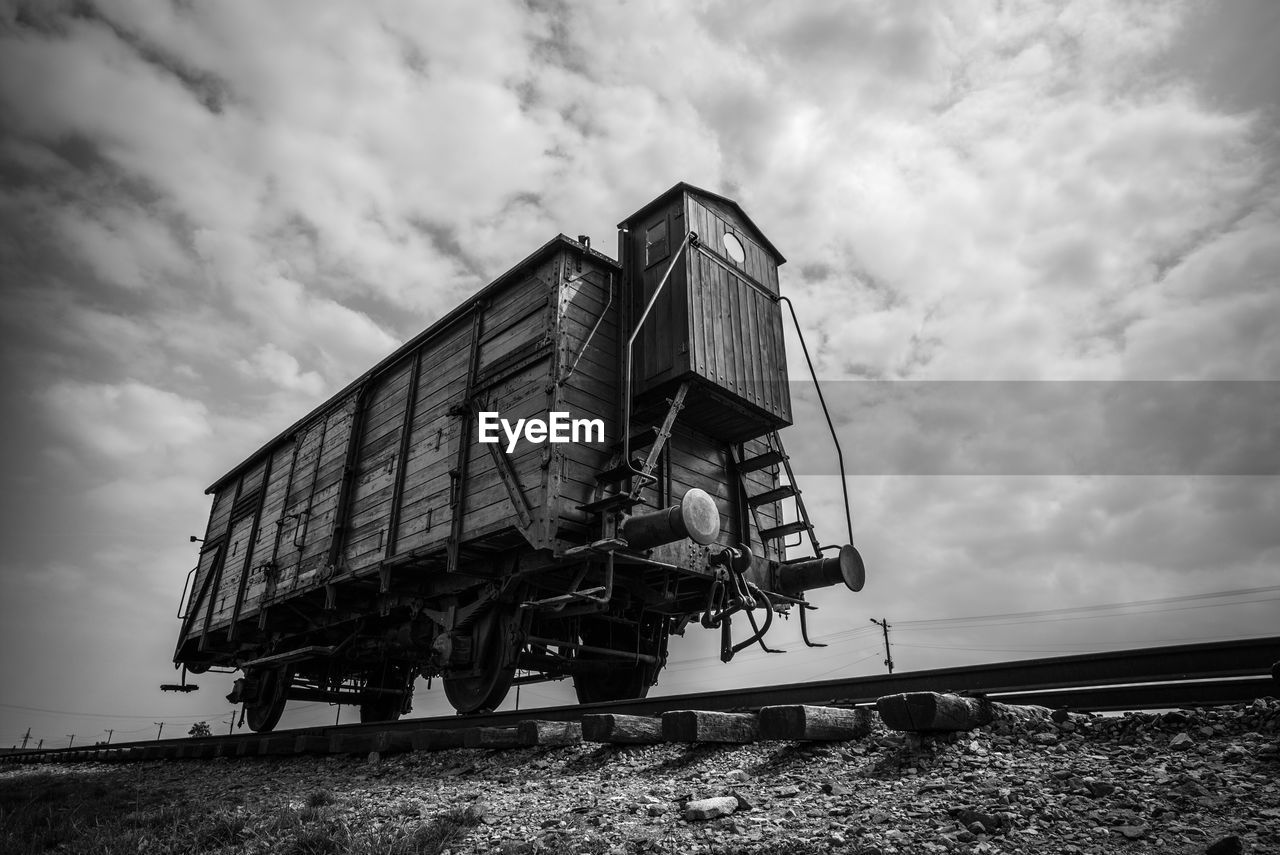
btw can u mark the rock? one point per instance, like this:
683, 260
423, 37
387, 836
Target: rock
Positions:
712, 808
1181, 742
1098, 789
743, 803
835, 788
1230, 845
738, 776
968, 817
1132, 832
1045, 739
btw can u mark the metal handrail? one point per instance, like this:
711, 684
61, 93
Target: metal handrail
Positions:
182, 615
692, 236
844, 481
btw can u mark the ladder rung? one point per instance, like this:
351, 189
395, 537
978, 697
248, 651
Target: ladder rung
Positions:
784, 530
769, 458
786, 491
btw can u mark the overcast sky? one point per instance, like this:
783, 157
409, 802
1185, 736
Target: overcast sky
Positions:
213, 216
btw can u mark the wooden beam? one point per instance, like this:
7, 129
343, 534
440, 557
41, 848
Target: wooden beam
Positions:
435, 739
533, 732
703, 726
392, 742
935, 711
311, 745
492, 737
829, 724
622, 729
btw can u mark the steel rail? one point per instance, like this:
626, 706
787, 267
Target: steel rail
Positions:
1207, 674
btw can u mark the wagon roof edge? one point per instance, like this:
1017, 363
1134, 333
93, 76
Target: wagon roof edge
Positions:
453, 316
685, 186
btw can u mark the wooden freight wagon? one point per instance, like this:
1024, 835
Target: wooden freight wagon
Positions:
400, 530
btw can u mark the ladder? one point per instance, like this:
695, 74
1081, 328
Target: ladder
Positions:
774, 455
623, 471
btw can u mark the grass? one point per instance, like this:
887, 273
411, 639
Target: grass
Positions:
107, 815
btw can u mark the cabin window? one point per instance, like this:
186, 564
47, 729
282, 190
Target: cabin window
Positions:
733, 247
655, 243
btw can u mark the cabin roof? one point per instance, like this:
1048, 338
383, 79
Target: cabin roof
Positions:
560, 241
686, 187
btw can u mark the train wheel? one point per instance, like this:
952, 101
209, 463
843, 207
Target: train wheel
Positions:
484, 691
622, 680
380, 706
273, 691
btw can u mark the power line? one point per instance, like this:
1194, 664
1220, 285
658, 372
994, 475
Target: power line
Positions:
1071, 610
101, 715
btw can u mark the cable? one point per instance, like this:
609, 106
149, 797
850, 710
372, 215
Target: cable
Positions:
105, 715
1068, 610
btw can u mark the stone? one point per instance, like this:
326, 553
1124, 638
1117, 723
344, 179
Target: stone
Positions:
737, 775
1181, 742
1230, 845
1132, 832
1098, 789
711, 808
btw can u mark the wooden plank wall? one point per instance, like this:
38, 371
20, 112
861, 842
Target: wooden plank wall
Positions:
530, 330
298, 504
591, 391
735, 331
660, 352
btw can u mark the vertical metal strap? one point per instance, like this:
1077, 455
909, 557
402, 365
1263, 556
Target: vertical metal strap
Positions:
249, 549
458, 503
284, 510
304, 521
338, 536
402, 461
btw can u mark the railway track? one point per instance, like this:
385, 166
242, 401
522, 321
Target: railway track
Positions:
1188, 675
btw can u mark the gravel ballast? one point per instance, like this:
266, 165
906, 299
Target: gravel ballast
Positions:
1178, 782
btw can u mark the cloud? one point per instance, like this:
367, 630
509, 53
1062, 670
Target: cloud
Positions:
218, 214
120, 424
281, 370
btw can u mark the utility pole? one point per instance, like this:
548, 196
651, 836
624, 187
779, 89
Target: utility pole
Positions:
159, 729
883, 623
26, 738
109, 732
231, 724
41, 745
72, 737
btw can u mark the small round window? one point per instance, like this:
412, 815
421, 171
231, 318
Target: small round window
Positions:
733, 247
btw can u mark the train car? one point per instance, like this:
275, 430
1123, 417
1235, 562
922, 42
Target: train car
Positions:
547, 483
